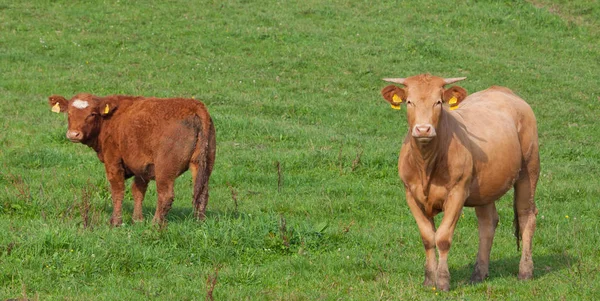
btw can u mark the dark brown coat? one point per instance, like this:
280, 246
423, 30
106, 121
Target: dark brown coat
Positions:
145, 138
470, 156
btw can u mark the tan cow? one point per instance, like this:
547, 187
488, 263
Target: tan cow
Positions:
466, 157
148, 139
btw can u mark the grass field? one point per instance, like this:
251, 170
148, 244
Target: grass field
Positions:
306, 203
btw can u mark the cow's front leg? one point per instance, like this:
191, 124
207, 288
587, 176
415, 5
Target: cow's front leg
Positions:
443, 236
116, 178
427, 230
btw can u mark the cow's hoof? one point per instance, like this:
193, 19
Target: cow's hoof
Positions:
525, 275
443, 284
428, 283
199, 214
160, 222
476, 278
116, 222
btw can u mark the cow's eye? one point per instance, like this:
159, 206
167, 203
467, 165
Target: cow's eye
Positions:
439, 102
408, 102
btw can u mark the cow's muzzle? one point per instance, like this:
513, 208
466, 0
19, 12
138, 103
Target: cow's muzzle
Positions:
424, 132
74, 136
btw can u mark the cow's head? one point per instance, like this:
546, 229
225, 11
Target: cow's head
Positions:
426, 99
85, 112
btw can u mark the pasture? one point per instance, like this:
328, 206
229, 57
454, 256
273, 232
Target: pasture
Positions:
305, 199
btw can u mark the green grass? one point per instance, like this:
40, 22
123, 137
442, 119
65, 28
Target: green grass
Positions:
298, 84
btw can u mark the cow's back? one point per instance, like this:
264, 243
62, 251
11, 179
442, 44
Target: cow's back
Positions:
502, 132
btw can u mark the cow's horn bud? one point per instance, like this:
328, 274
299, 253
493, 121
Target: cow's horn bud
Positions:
448, 81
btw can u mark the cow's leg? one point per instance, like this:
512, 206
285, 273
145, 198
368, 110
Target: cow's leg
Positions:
138, 190
525, 214
427, 230
487, 219
443, 237
165, 174
194, 171
116, 178
164, 188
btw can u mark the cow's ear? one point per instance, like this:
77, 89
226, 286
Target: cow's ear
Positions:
454, 96
58, 103
107, 106
394, 95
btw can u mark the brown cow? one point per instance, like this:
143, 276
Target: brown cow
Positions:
147, 138
466, 157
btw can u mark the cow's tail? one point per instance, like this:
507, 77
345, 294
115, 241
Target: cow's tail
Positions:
205, 159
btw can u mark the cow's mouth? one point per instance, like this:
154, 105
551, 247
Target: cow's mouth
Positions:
424, 140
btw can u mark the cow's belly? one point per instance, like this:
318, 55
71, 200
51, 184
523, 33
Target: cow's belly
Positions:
165, 151
496, 152
139, 168
496, 175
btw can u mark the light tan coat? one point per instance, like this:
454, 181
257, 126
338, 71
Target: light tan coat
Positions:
467, 157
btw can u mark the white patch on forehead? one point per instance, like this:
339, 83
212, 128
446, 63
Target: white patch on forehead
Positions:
80, 104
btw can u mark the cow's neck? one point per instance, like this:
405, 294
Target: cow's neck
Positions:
95, 143
424, 158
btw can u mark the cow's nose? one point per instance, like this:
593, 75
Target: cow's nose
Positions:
74, 135
423, 130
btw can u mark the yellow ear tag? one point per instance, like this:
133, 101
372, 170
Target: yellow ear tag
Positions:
453, 102
395, 98
56, 108
106, 109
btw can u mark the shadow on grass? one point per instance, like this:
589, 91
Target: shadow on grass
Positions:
509, 267
176, 214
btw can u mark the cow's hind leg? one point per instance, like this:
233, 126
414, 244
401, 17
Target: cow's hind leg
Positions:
487, 219
138, 190
171, 160
526, 211
164, 188
525, 216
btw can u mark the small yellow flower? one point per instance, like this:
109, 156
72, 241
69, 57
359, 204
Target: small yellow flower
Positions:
566, 216
433, 288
